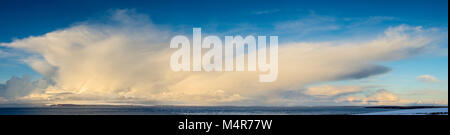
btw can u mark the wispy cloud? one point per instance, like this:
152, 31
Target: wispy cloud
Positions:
4, 54
263, 12
370, 21
427, 79
309, 24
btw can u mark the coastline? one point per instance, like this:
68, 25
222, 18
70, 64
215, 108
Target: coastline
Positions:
423, 111
74, 109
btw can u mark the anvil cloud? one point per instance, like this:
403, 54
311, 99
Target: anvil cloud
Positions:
126, 61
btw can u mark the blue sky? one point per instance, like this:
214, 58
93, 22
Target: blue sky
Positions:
22, 18
323, 20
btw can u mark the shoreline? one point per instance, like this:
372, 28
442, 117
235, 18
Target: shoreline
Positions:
406, 107
427, 111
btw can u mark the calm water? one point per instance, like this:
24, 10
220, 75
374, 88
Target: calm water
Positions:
160, 110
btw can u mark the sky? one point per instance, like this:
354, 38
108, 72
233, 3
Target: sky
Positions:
347, 52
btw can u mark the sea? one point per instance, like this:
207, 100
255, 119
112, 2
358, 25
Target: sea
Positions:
185, 110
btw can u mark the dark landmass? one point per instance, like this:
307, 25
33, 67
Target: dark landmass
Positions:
406, 107
127, 109
375, 107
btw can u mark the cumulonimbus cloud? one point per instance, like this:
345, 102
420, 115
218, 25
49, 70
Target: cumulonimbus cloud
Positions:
127, 61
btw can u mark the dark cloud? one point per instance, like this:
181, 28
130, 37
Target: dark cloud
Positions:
21, 86
367, 72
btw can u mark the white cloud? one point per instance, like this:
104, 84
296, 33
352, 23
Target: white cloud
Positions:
263, 12
427, 78
380, 97
309, 24
128, 61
